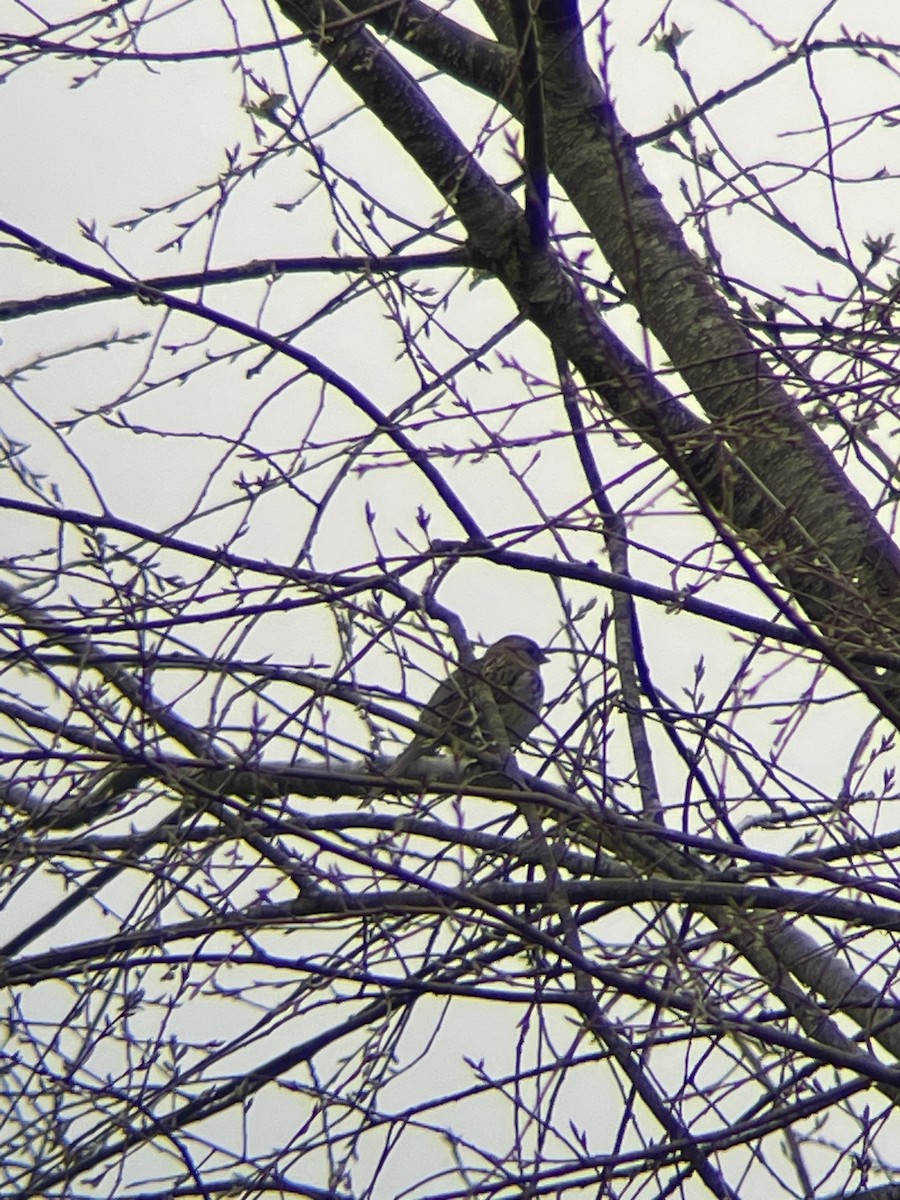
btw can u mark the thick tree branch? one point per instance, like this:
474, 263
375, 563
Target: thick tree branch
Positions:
759, 464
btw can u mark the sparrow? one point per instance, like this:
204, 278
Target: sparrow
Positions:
511, 668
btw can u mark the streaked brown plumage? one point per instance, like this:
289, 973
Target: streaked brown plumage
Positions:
511, 668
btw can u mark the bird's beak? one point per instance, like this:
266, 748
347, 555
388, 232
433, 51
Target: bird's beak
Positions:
542, 658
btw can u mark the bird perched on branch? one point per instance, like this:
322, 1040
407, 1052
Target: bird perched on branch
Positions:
454, 717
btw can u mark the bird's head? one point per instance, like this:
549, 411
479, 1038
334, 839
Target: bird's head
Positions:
519, 646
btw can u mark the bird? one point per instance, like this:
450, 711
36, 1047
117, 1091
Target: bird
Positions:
452, 717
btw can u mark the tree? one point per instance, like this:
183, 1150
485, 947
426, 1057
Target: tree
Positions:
466, 338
